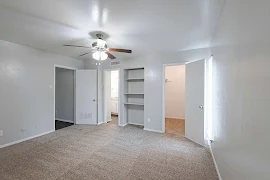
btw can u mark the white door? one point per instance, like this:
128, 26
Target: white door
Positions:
86, 97
195, 101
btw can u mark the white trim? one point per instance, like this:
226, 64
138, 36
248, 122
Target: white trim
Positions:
54, 73
195, 141
152, 130
137, 124
122, 125
22, 140
101, 123
163, 90
219, 176
65, 67
63, 120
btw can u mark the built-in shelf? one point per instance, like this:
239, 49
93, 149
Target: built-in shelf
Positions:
135, 79
134, 93
139, 68
136, 104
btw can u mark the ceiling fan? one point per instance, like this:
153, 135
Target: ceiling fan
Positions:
100, 49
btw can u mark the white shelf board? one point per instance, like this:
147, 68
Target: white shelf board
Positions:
134, 79
137, 104
134, 93
142, 68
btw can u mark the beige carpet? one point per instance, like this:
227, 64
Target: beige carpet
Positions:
106, 152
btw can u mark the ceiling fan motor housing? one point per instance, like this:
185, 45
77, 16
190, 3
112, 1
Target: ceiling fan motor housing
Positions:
94, 45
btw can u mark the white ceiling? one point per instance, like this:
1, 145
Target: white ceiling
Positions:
145, 26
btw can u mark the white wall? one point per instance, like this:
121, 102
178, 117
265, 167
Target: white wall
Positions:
64, 94
114, 91
153, 65
241, 86
175, 92
26, 98
114, 83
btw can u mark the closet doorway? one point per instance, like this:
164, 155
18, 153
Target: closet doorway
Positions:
64, 97
174, 102
111, 97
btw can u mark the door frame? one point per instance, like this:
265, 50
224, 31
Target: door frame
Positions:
74, 105
104, 95
163, 90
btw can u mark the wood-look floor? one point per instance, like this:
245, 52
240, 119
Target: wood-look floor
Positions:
175, 126
114, 119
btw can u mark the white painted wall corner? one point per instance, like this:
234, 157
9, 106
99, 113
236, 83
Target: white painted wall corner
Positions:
123, 125
152, 130
219, 176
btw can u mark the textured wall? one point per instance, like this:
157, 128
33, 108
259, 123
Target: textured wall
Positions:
26, 90
241, 86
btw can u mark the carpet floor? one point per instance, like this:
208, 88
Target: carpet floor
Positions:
106, 152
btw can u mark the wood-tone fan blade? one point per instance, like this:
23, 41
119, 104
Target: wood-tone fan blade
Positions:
76, 46
110, 55
84, 54
120, 50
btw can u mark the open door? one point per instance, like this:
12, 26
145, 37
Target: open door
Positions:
195, 101
86, 97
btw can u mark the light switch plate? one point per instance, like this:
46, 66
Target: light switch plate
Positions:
1, 133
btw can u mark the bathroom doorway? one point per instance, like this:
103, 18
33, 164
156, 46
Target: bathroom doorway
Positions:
111, 97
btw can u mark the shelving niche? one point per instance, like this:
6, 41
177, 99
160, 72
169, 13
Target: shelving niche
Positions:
134, 96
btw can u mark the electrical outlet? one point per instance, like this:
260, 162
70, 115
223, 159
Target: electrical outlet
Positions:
149, 120
1, 133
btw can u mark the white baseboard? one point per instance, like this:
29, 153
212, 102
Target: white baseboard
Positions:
194, 141
219, 176
101, 123
137, 124
152, 130
63, 120
122, 125
22, 140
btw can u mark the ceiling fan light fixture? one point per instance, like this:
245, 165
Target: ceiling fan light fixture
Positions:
100, 56
101, 43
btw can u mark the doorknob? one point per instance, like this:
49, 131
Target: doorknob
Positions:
94, 100
201, 107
